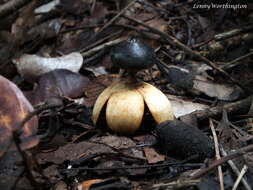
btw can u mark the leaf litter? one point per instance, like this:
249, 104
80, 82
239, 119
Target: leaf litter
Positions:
61, 49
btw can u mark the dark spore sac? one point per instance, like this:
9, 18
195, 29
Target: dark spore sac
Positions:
180, 78
180, 140
133, 55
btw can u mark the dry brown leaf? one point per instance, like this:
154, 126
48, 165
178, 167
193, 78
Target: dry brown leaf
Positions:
59, 83
14, 108
219, 91
152, 156
72, 151
122, 143
75, 151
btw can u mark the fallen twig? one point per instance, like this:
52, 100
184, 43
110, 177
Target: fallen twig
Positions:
240, 107
36, 112
239, 178
117, 16
235, 170
225, 35
218, 162
27, 162
100, 41
231, 33
217, 154
138, 167
175, 184
234, 63
100, 47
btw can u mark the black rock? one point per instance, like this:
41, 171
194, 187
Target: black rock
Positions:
133, 55
181, 140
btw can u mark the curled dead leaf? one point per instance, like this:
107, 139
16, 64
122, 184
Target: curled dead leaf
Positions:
31, 67
59, 83
14, 108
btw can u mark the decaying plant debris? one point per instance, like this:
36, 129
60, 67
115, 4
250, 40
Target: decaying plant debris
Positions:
55, 61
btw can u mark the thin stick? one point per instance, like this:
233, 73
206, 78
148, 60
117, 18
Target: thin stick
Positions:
107, 25
175, 184
217, 154
29, 116
35, 112
235, 169
24, 156
117, 16
232, 33
100, 47
236, 108
173, 41
139, 167
16, 137
234, 63
238, 180
100, 41
218, 162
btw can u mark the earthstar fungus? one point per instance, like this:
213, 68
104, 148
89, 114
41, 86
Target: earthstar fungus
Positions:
125, 100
